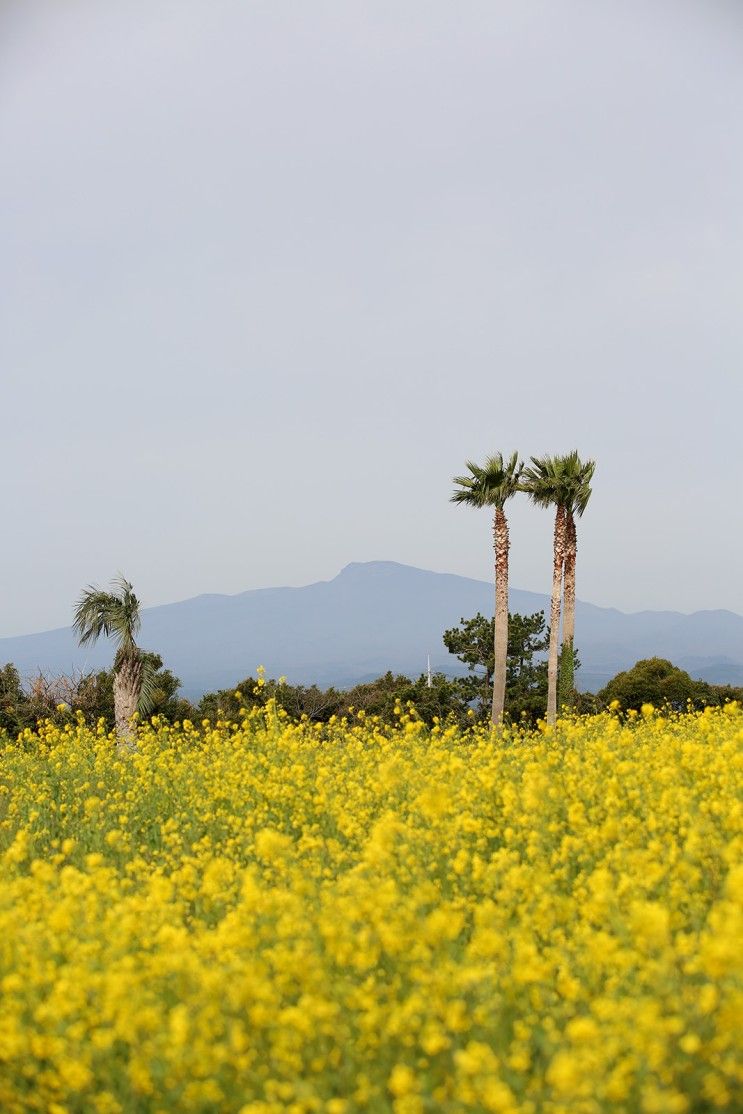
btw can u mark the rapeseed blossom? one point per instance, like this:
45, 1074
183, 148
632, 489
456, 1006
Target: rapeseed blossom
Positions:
268, 916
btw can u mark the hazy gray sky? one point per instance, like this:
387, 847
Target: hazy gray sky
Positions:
271, 271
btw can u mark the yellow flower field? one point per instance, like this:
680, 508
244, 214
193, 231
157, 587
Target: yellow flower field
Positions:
269, 917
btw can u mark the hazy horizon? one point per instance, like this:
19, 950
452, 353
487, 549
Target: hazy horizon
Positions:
272, 273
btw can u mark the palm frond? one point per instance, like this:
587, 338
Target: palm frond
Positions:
563, 481
93, 613
148, 688
114, 614
488, 485
126, 622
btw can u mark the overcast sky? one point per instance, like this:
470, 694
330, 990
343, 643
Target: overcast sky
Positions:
272, 271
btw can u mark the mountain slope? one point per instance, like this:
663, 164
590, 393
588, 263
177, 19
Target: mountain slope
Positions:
372, 617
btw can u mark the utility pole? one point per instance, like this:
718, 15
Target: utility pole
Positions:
429, 678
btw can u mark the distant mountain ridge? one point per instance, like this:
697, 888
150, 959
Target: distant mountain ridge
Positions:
374, 616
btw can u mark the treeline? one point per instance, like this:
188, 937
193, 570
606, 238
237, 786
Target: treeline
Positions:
23, 703
459, 699
61, 699
456, 700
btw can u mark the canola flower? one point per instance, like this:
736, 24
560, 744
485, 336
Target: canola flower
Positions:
269, 916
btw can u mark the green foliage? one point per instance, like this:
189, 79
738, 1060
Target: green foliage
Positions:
562, 481
658, 682
489, 485
528, 635
445, 699
57, 699
13, 711
568, 663
95, 696
715, 696
472, 643
526, 671
298, 700
114, 614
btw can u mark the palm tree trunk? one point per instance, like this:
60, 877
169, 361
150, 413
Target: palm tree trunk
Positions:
500, 627
558, 559
567, 673
127, 683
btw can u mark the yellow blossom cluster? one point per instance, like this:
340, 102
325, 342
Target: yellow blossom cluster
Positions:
267, 916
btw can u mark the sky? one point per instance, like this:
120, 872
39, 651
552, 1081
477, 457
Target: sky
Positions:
272, 271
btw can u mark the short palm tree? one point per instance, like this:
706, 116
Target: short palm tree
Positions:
116, 614
562, 482
491, 486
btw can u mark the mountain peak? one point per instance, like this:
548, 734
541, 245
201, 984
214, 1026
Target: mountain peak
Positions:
373, 568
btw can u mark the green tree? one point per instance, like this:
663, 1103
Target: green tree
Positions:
297, 700
562, 482
492, 485
653, 681
376, 698
164, 699
526, 679
226, 703
719, 695
472, 642
13, 701
24, 703
94, 695
116, 615
526, 669
308, 701
444, 699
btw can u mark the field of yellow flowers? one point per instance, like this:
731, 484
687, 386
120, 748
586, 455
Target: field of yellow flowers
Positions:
266, 916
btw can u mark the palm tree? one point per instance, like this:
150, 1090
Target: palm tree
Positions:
490, 486
578, 476
116, 613
562, 482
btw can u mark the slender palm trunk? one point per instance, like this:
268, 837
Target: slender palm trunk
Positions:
500, 632
567, 673
127, 685
558, 559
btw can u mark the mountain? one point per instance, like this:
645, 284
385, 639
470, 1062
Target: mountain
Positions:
372, 617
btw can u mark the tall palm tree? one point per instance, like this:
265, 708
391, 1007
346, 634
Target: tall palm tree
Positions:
562, 482
491, 486
116, 614
578, 475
